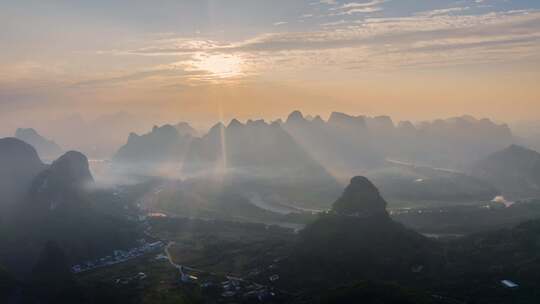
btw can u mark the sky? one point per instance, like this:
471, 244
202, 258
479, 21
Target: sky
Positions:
208, 60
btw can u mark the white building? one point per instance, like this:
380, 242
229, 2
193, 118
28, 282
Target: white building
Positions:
509, 284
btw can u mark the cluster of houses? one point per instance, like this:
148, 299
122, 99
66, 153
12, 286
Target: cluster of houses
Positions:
118, 256
138, 277
231, 288
187, 278
509, 284
245, 290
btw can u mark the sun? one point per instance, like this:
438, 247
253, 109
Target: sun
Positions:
219, 65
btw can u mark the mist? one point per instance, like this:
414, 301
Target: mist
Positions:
270, 152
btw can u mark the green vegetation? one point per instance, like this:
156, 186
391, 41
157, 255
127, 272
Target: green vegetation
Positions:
122, 284
224, 247
370, 292
467, 219
8, 284
416, 184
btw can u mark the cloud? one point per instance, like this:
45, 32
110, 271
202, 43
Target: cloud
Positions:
443, 11
359, 7
328, 2
362, 4
425, 39
361, 10
129, 77
368, 32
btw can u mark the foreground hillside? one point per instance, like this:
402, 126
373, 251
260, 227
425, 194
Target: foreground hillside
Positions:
357, 240
82, 243
56, 203
20, 164
354, 251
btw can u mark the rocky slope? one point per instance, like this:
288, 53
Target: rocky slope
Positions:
19, 164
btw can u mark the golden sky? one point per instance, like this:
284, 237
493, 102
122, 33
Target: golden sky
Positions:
206, 60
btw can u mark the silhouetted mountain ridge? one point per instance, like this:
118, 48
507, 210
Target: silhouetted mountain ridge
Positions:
56, 203
360, 198
163, 144
46, 148
306, 151
514, 170
344, 144
20, 164
358, 240
63, 182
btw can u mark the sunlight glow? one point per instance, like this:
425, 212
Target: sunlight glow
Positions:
219, 66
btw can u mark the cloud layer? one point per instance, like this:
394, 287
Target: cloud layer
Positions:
60, 54
432, 38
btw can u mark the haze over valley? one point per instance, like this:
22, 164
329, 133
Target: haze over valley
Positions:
307, 151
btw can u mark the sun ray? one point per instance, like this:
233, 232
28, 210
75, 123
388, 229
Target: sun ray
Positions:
218, 66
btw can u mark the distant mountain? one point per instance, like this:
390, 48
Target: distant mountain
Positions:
20, 164
97, 138
163, 144
515, 171
256, 147
253, 157
311, 153
527, 133
348, 145
407, 183
47, 149
343, 144
185, 129
265, 159
452, 143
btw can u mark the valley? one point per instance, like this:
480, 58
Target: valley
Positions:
270, 152
270, 223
